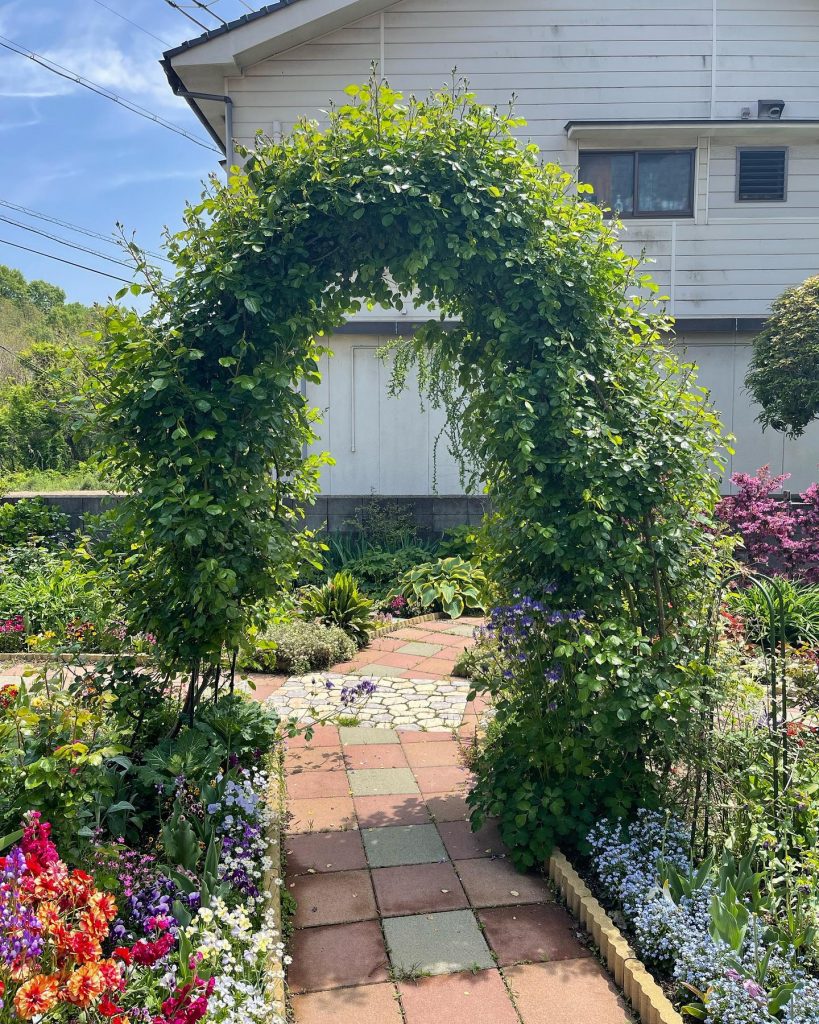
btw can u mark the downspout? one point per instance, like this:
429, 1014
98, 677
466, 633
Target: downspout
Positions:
179, 90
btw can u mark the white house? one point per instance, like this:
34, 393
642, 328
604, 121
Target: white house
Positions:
698, 120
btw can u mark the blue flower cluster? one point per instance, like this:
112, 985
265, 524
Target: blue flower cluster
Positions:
675, 934
524, 634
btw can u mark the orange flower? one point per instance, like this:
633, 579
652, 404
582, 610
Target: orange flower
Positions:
36, 996
103, 903
85, 985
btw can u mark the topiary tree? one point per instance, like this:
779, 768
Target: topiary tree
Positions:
783, 375
595, 446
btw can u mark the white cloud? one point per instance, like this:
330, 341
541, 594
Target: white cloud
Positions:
149, 177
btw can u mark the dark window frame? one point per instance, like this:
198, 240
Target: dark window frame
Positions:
762, 149
688, 213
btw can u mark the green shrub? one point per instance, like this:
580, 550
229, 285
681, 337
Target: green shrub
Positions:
340, 603
450, 585
460, 541
801, 607
52, 591
298, 647
379, 571
31, 521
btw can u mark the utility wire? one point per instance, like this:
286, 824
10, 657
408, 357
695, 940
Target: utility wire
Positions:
184, 13
73, 227
72, 76
213, 14
63, 241
103, 273
140, 27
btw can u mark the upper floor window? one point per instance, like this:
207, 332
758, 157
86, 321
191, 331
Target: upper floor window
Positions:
642, 182
762, 174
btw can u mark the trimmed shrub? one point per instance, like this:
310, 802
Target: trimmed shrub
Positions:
298, 647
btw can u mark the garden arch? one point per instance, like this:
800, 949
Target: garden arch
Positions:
596, 451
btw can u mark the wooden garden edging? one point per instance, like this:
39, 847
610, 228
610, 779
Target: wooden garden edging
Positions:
643, 992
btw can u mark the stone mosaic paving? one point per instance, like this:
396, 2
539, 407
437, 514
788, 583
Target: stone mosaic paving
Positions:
412, 672
410, 703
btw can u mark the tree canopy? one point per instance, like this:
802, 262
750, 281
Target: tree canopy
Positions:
783, 375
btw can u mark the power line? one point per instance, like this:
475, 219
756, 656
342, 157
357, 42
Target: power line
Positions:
140, 27
73, 227
213, 14
71, 263
190, 17
72, 76
62, 241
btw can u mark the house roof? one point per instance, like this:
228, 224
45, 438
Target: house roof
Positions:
227, 27
202, 64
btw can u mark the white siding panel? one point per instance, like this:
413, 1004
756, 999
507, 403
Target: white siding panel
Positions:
599, 60
380, 443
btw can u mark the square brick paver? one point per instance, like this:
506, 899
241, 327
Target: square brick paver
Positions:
495, 883
445, 779
458, 999
331, 814
377, 811
448, 807
324, 851
462, 843
434, 755
418, 889
420, 649
378, 669
323, 736
353, 735
382, 782
375, 755
313, 785
363, 1004
531, 934
403, 844
436, 943
566, 992
305, 759
336, 897
337, 955
413, 736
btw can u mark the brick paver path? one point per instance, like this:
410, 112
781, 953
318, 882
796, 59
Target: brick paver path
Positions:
404, 916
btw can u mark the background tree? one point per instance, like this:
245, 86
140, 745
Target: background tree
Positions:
783, 375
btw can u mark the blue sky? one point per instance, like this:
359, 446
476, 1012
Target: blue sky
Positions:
73, 155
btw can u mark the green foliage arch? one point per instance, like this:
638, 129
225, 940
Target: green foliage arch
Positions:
595, 448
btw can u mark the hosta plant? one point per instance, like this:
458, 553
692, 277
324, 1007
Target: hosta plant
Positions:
340, 603
450, 585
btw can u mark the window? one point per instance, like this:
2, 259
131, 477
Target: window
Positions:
643, 182
762, 175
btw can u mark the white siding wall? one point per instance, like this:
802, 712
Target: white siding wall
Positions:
585, 60
616, 59
722, 367
381, 444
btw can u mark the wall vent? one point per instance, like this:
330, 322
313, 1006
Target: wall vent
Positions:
762, 174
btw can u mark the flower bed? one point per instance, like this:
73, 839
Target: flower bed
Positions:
165, 908
705, 929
